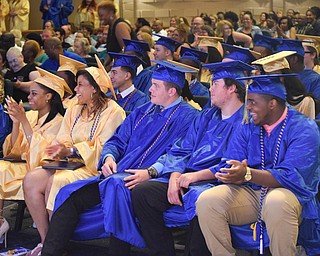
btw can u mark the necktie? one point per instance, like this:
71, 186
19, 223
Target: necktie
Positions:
119, 96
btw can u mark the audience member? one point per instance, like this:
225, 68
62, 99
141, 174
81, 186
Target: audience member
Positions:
56, 10
19, 14
87, 11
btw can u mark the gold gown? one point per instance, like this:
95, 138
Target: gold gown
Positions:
69, 102
90, 151
4, 12
22, 9
84, 15
11, 174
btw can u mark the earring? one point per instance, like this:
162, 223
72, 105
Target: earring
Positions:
47, 101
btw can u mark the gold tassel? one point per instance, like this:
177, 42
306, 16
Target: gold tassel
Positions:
253, 226
245, 119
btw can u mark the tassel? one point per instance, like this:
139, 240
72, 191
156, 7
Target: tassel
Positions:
261, 243
245, 119
253, 226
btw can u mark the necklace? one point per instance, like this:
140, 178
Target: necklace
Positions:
160, 134
94, 125
129, 97
264, 189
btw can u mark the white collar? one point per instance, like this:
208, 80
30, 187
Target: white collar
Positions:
126, 92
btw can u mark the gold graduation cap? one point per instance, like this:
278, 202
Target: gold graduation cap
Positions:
52, 81
313, 41
68, 64
188, 76
209, 41
275, 61
106, 81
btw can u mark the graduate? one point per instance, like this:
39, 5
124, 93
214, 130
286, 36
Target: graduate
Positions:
125, 160
140, 49
310, 78
84, 130
164, 49
32, 131
265, 45
68, 70
122, 73
193, 57
269, 172
189, 159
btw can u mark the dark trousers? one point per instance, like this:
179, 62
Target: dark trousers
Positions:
66, 218
149, 203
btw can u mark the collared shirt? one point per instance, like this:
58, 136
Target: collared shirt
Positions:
126, 92
269, 128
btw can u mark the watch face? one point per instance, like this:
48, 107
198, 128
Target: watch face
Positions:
247, 177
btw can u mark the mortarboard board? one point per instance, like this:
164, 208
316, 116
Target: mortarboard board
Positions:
209, 41
193, 54
313, 41
290, 45
126, 60
168, 43
275, 61
52, 81
68, 64
136, 46
231, 69
266, 42
267, 84
240, 53
172, 72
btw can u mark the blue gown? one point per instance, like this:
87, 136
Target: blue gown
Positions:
58, 12
311, 81
297, 168
128, 146
138, 99
199, 89
143, 81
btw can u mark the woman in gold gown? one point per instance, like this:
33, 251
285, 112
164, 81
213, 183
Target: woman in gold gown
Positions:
84, 130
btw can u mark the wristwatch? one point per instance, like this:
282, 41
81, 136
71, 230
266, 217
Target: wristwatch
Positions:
248, 175
152, 172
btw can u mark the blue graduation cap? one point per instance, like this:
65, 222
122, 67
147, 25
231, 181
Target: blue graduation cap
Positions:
267, 84
239, 53
231, 69
193, 54
136, 46
126, 60
168, 43
172, 72
291, 45
266, 42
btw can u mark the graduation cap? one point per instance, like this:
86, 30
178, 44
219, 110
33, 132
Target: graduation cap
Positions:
313, 41
126, 60
231, 69
275, 61
290, 45
172, 72
168, 43
240, 53
209, 41
68, 64
193, 54
52, 81
267, 84
101, 77
266, 42
136, 46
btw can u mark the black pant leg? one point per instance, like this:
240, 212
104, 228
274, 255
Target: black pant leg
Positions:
66, 218
195, 244
118, 247
149, 203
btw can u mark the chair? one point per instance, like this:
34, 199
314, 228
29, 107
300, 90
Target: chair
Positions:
20, 213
